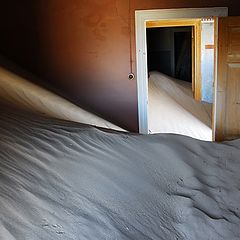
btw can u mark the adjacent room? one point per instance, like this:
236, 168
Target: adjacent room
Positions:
171, 70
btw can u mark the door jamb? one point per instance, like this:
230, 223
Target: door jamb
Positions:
141, 17
196, 49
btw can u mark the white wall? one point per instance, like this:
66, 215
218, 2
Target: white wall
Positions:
207, 61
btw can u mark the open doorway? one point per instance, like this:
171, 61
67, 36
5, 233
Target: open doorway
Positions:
171, 57
143, 18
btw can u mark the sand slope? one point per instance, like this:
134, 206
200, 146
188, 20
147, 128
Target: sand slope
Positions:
19, 92
63, 180
172, 108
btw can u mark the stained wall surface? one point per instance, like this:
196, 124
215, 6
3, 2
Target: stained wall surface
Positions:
82, 49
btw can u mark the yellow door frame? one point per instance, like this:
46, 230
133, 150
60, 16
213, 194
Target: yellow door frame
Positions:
196, 47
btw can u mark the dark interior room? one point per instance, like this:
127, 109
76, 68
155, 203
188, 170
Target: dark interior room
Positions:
169, 51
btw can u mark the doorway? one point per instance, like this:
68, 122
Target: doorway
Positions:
142, 19
170, 61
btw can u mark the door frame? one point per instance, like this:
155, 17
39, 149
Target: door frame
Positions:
141, 18
195, 45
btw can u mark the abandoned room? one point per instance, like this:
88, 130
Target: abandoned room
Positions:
120, 119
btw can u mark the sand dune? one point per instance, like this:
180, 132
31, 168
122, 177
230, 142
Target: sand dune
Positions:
64, 180
172, 109
18, 92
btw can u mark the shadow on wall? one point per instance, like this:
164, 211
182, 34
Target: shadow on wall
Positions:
79, 48
18, 93
21, 72
20, 40
20, 45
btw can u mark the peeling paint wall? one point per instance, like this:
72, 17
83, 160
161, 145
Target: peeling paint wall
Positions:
82, 50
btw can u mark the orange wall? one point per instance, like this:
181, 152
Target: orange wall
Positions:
82, 48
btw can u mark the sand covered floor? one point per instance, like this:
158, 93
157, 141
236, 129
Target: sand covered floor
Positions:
64, 180
172, 108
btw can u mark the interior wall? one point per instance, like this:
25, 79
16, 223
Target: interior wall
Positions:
82, 48
207, 61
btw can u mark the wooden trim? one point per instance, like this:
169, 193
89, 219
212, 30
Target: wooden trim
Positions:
221, 81
171, 23
198, 75
196, 47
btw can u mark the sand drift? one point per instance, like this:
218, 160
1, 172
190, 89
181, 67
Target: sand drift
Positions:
172, 108
19, 92
64, 180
